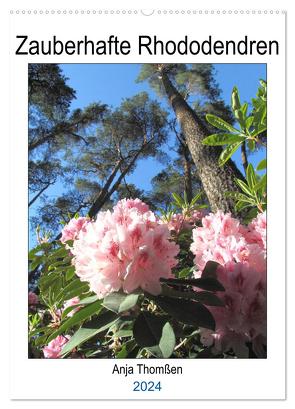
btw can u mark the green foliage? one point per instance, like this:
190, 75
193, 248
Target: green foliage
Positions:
189, 79
187, 311
120, 302
89, 330
155, 334
253, 191
251, 127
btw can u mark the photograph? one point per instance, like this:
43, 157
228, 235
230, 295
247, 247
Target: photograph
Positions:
147, 196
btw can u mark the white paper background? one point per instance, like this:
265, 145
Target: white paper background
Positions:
201, 379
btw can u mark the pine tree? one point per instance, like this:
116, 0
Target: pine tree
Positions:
177, 82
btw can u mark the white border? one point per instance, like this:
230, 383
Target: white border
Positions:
249, 379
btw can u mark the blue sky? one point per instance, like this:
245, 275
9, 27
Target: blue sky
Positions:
110, 83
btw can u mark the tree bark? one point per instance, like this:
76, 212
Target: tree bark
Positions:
187, 174
244, 157
98, 203
216, 180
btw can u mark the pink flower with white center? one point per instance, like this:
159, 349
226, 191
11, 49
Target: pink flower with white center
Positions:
53, 349
73, 228
124, 250
70, 303
33, 298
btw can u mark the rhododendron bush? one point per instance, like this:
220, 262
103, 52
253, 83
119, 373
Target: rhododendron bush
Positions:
133, 283
112, 287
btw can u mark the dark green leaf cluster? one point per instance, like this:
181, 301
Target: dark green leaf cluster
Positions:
251, 126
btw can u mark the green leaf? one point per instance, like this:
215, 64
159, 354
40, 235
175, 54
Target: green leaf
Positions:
240, 205
167, 341
154, 333
205, 297
240, 196
78, 318
83, 301
220, 123
36, 262
40, 341
207, 283
119, 302
258, 131
196, 198
73, 289
240, 117
244, 109
70, 273
178, 199
251, 176
210, 270
222, 139
208, 298
235, 99
261, 165
187, 311
123, 333
147, 329
249, 121
251, 145
61, 252
228, 152
126, 349
185, 198
261, 184
88, 300
184, 272
90, 329
245, 188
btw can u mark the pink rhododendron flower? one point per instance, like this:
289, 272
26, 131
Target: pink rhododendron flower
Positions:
257, 231
124, 250
132, 204
53, 349
71, 302
72, 229
179, 221
243, 318
222, 239
241, 251
33, 298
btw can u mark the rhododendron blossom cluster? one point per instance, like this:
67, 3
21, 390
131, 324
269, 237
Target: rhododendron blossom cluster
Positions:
243, 317
53, 349
241, 250
222, 239
72, 229
182, 221
124, 249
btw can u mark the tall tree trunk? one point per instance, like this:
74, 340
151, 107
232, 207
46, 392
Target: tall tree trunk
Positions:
101, 200
216, 180
187, 174
244, 157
